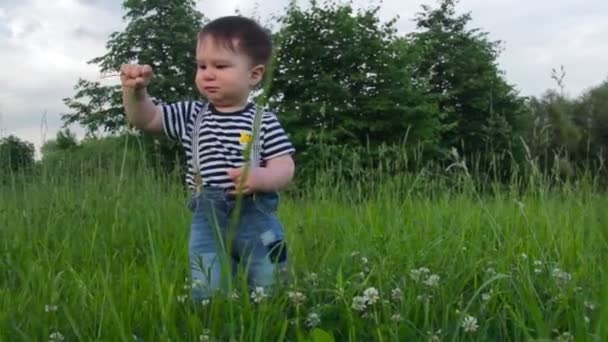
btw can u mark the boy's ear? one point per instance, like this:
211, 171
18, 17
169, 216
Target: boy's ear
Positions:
257, 73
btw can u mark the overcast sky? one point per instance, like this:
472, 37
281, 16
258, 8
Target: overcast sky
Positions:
44, 47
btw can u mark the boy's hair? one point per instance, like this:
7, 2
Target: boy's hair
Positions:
240, 34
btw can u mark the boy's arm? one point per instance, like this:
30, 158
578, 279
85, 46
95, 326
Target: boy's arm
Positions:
277, 173
141, 111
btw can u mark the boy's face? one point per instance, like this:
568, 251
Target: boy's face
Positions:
223, 76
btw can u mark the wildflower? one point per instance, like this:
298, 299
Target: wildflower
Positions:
296, 297
359, 303
432, 281
182, 298
434, 336
491, 271
50, 308
396, 318
589, 305
354, 254
371, 295
364, 260
234, 295
486, 296
538, 271
566, 336
258, 295
313, 278
313, 320
469, 324
587, 320
524, 256
419, 274
205, 302
397, 295
204, 337
560, 276
56, 336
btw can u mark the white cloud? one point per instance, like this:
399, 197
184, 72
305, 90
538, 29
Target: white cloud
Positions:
44, 46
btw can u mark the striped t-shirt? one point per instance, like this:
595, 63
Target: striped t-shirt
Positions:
222, 139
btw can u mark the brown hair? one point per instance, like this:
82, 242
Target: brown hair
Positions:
240, 34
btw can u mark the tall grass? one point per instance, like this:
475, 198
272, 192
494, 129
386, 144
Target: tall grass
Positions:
101, 254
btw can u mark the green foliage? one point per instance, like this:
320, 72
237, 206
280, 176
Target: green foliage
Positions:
481, 111
92, 156
159, 33
15, 155
343, 78
105, 258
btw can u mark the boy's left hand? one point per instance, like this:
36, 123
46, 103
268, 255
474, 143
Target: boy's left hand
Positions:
254, 181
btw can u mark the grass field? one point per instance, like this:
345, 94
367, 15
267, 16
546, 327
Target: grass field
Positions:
104, 258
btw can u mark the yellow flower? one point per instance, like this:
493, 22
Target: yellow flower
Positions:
246, 138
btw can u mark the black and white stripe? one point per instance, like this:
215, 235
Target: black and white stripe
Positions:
219, 143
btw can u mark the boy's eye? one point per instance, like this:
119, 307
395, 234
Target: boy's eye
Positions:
221, 66
202, 67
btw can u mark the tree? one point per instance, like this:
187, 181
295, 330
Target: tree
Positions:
591, 116
161, 33
65, 141
15, 155
344, 78
481, 111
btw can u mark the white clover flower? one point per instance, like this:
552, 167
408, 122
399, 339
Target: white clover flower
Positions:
432, 281
50, 308
566, 336
538, 271
371, 295
258, 295
182, 298
469, 324
204, 337
434, 336
419, 274
396, 318
355, 254
396, 295
524, 256
313, 278
296, 297
589, 305
205, 302
313, 320
359, 303
364, 260
56, 336
234, 295
486, 296
561, 276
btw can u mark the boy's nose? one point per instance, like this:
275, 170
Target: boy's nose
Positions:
208, 74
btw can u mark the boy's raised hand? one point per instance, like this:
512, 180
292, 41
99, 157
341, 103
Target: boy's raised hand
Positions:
135, 76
